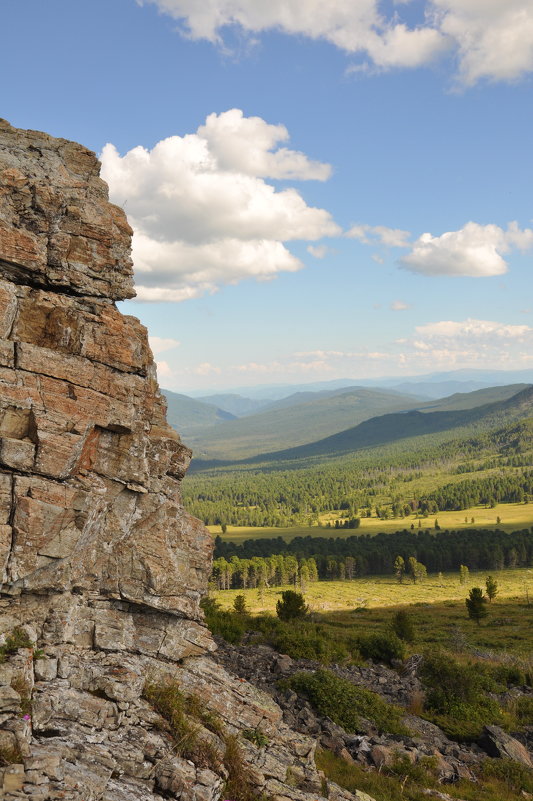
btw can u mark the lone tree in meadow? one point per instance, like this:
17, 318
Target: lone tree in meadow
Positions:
476, 604
239, 605
491, 586
291, 606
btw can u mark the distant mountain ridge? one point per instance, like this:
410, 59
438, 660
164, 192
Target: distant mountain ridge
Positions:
389, 428
433, 385
237, 405
188, 416
289, 423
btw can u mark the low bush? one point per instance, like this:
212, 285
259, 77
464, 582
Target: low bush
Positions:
228, 625
458, 695
497, 780
382, 648
382, 785
345, 703
524, 710
302, 640
17, 639
509, 675
256, 737
516, 777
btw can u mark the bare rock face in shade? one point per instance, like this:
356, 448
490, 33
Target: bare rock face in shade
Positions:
101, 568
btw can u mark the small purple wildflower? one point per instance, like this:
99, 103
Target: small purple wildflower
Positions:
26, 717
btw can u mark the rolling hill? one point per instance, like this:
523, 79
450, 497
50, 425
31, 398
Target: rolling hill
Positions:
469, 400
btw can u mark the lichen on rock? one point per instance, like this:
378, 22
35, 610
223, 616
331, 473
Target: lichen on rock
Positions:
101, 568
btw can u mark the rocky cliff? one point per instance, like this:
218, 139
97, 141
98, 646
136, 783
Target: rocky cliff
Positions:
107, 687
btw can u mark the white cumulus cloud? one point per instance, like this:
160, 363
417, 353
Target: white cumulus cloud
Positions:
246, 145
493, 38
202, 212
487, 39
475, 250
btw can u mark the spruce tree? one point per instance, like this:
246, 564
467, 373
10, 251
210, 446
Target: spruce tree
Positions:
476, 605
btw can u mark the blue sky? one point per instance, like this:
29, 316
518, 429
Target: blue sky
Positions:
318, 190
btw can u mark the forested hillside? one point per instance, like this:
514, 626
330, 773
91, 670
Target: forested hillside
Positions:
418, 475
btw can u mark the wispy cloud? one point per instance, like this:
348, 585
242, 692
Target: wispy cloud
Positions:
486, 40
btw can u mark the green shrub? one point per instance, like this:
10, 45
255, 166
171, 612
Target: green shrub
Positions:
450, 682
17, 639
515, 776
378, 784
228, 625
256, 737
497, 780
345, 703
422, 772
509, 675
381, 647
458, 696
302, 640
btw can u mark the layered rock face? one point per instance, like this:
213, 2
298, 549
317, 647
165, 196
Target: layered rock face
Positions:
101, 568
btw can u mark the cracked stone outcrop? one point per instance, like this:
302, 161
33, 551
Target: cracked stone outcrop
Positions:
101, 568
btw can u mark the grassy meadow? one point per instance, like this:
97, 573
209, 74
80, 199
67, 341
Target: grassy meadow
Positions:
436, 606
513, 516
384, 591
